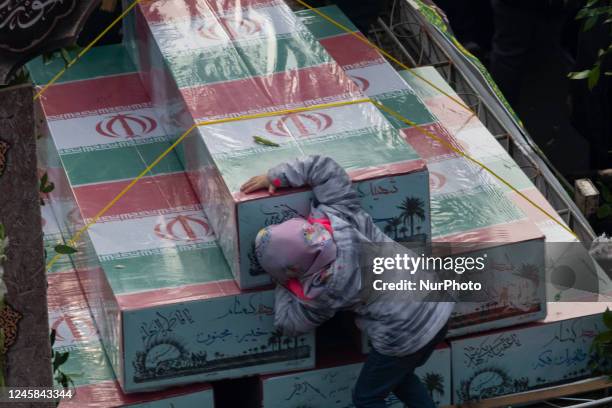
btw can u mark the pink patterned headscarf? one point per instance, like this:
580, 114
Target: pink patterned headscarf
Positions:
296, 250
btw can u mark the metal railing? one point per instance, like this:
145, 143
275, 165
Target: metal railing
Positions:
406, 34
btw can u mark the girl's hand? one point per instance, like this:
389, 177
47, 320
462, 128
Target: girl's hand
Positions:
258, 183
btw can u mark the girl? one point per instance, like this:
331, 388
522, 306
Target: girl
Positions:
315, 262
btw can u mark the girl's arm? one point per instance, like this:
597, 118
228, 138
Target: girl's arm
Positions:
294, 317
330, 183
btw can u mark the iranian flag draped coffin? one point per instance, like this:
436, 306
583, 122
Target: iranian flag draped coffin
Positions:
208, 59
95, 385
162, 295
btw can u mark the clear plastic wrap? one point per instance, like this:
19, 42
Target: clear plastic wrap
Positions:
87, 366
154, 277
207, 59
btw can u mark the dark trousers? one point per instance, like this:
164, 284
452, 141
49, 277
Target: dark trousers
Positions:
382, 375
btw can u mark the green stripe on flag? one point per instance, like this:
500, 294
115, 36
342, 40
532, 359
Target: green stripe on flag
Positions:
407, 105
352, 149
118, 164
320, 27
169, 269
246, 59
98, 62
294, 52
507, 169
239, 167
87, 363
374, 147
463, 211
422, 88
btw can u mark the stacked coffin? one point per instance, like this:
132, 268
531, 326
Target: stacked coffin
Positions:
93, 382
169, 308
159, 288
208, 60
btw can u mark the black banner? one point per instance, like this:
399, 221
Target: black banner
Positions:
29, 28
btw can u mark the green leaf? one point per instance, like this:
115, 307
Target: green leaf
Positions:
606, 194
62, 379
52, 337
44, 179
607, 318
65, 56
2, 231
265, 142
604, 337
60, 358
65, 249
604, 211
580, 74
49, 188
590, 23
593, 77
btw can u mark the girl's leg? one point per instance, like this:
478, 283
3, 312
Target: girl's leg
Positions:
379, 376
412, 392
383, 374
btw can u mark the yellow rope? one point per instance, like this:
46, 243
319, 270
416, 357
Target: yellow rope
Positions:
86, 49
364, 40
77, 235
479, 163
72, 241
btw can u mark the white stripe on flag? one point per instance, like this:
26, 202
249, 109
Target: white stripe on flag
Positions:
456, 176
161, 231
206, 32
479, 143
236, 136
377, 79
133, 125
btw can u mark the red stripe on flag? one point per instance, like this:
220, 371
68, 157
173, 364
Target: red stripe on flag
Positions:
94, 94
188, 293
349, 51
429, 148
162, 12
296, 87
108, 393
534, 213
148, 194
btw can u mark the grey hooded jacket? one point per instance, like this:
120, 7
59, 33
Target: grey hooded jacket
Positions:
395, 326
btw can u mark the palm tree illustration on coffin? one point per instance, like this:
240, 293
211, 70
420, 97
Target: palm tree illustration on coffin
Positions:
412, 209
434, 383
